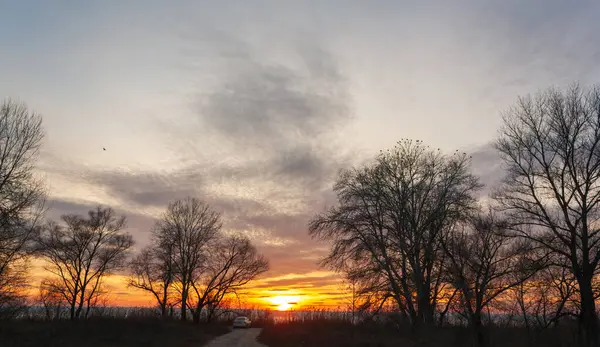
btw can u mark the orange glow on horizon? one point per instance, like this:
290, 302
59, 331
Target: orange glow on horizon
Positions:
281, 292
284, 302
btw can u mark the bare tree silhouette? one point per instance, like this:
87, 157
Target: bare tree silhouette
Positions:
51, 299
81, 253
391, 219
22, 198
191, 256
188, 226
550, 144
549, 296
153, 270
483, 263
232, 263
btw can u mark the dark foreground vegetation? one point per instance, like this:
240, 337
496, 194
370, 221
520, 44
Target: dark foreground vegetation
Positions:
106, 332
327, 333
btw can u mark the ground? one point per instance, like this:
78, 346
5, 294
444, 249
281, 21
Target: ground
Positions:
339, 334
154, 333
238, 338
106, 333
327, 334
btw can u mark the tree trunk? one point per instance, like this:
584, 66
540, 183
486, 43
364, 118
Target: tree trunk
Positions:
588, 317
425, 309
477, 326
57, 312
198, 311
72, 313
184, 305
163, 303
196, 316
79, 306
163, 310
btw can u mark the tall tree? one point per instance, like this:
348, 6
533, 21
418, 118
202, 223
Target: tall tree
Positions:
425, 194
391, 218
232, 263
189, 225
81, 253
153, 270
483, 263
550, 144
21, 197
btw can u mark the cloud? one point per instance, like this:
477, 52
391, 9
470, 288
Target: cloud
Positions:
271, 127
146, 188
487, 164
269, 105
276, 120
295, 282
146, 194
296, 275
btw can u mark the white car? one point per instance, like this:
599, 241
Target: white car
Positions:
241, 322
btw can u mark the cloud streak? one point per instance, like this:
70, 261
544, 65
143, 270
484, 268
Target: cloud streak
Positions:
276, 122
257, 124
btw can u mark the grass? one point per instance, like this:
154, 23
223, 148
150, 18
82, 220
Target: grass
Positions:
308, 329
106, 333
323, 333
317, 334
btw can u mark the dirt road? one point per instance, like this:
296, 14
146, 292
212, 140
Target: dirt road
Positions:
237, 338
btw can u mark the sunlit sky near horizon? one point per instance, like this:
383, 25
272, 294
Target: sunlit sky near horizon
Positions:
255, 105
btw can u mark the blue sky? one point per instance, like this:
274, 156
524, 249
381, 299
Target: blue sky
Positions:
254, 105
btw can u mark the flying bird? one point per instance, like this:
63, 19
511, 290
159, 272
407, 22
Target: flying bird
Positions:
104, 148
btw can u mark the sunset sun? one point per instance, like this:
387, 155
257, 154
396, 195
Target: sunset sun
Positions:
283, 303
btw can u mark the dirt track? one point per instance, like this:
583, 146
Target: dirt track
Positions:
237, 338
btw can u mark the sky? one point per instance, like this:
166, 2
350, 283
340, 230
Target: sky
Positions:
254, 106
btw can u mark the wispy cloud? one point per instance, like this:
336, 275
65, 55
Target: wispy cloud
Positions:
276, 123
254, 108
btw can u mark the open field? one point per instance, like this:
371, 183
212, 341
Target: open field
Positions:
121, 332
106, 333
341, 334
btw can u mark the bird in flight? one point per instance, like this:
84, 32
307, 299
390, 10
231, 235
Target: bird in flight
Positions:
104, 148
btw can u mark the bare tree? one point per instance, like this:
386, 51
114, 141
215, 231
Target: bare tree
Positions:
22, 198
189, 225
233, 262
153, 270
546, 297
359, 236
81, 253
370, 291
14, 285
484, 263
550, 144
392, 216
351, 301
446, 301
425, 193
51, 299
366, 293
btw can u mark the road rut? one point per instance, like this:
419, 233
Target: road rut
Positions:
237, 338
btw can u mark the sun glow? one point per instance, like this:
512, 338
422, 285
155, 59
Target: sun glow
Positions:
283, 302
